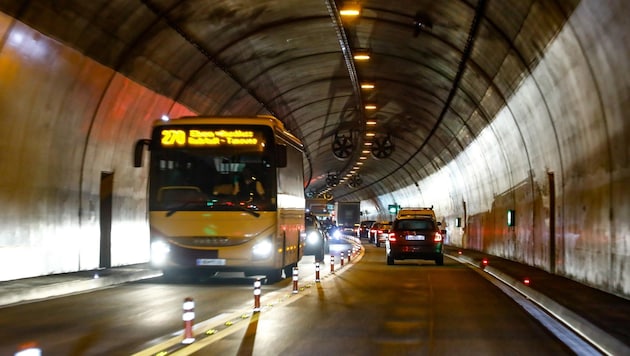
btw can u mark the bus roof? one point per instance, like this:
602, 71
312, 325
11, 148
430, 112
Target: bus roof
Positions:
268, 120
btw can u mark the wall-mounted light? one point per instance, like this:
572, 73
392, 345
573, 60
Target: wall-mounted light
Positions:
370, 107
350, 9
371, 122
511, 218
367, 85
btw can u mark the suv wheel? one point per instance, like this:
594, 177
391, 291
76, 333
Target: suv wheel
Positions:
319, 256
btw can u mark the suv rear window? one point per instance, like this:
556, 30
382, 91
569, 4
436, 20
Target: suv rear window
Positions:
414, 224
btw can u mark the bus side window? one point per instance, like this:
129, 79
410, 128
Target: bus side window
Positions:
281, 155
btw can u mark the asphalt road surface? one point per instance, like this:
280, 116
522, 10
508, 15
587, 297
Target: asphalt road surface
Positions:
363, 308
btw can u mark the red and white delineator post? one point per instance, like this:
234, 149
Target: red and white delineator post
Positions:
332, 263
295, 280
189, 319
317, 272
341, 258
257, 295
349, 254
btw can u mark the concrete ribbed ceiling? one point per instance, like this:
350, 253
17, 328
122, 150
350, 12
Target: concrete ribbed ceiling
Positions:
441, 69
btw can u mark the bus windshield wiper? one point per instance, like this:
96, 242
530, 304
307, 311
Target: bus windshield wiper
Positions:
233, 204
172, 211
248, 210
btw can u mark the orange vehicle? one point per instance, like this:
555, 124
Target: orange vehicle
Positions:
225, 194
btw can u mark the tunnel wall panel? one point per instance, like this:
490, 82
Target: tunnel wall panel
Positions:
66, 119
567, 119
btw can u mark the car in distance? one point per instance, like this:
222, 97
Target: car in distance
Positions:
380, 232
417, 237
364, 229
315, 237
372, 234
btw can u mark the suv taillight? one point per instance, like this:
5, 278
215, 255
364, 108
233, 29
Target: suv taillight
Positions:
437, 237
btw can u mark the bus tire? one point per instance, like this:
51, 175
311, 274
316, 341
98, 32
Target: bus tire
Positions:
273, 276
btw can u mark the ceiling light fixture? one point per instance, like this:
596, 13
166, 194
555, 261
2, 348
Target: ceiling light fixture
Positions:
370, 107
350, 9
367, 85
361, 54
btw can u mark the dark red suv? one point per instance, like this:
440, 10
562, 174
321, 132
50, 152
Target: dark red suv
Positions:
415, 238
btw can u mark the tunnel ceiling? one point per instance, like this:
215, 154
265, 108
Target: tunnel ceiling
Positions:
441, 70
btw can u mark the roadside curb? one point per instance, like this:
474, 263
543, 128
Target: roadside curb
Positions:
70, 285
604, 341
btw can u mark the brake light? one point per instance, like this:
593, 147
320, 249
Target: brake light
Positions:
391, 236
437, 237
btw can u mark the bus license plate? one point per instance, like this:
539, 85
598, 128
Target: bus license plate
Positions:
415, 237
210, 262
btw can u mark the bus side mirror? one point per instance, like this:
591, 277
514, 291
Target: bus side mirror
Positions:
137, 153
281, 156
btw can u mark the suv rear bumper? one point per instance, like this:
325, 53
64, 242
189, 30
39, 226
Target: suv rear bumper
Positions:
415, 252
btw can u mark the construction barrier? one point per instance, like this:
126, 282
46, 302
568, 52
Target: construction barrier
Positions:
189, 319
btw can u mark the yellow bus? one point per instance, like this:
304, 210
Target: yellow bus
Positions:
224, 194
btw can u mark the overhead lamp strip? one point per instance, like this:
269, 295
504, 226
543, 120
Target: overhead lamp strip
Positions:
472, 34
347, 53
352, 71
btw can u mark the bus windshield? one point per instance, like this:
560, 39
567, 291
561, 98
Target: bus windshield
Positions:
209, 168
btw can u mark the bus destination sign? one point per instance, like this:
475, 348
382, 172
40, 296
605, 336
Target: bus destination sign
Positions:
208, 138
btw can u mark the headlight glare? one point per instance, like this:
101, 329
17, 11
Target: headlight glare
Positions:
313, 238
262, 249
159, 252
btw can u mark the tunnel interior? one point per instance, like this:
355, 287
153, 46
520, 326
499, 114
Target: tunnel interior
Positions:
481, 109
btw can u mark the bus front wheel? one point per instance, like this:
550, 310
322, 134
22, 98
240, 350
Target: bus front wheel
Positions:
273, 276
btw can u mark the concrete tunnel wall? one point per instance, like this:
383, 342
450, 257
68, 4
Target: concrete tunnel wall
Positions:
566, 129
67, 119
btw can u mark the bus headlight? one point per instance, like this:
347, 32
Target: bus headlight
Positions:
159, 252
262, 249
313, 238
